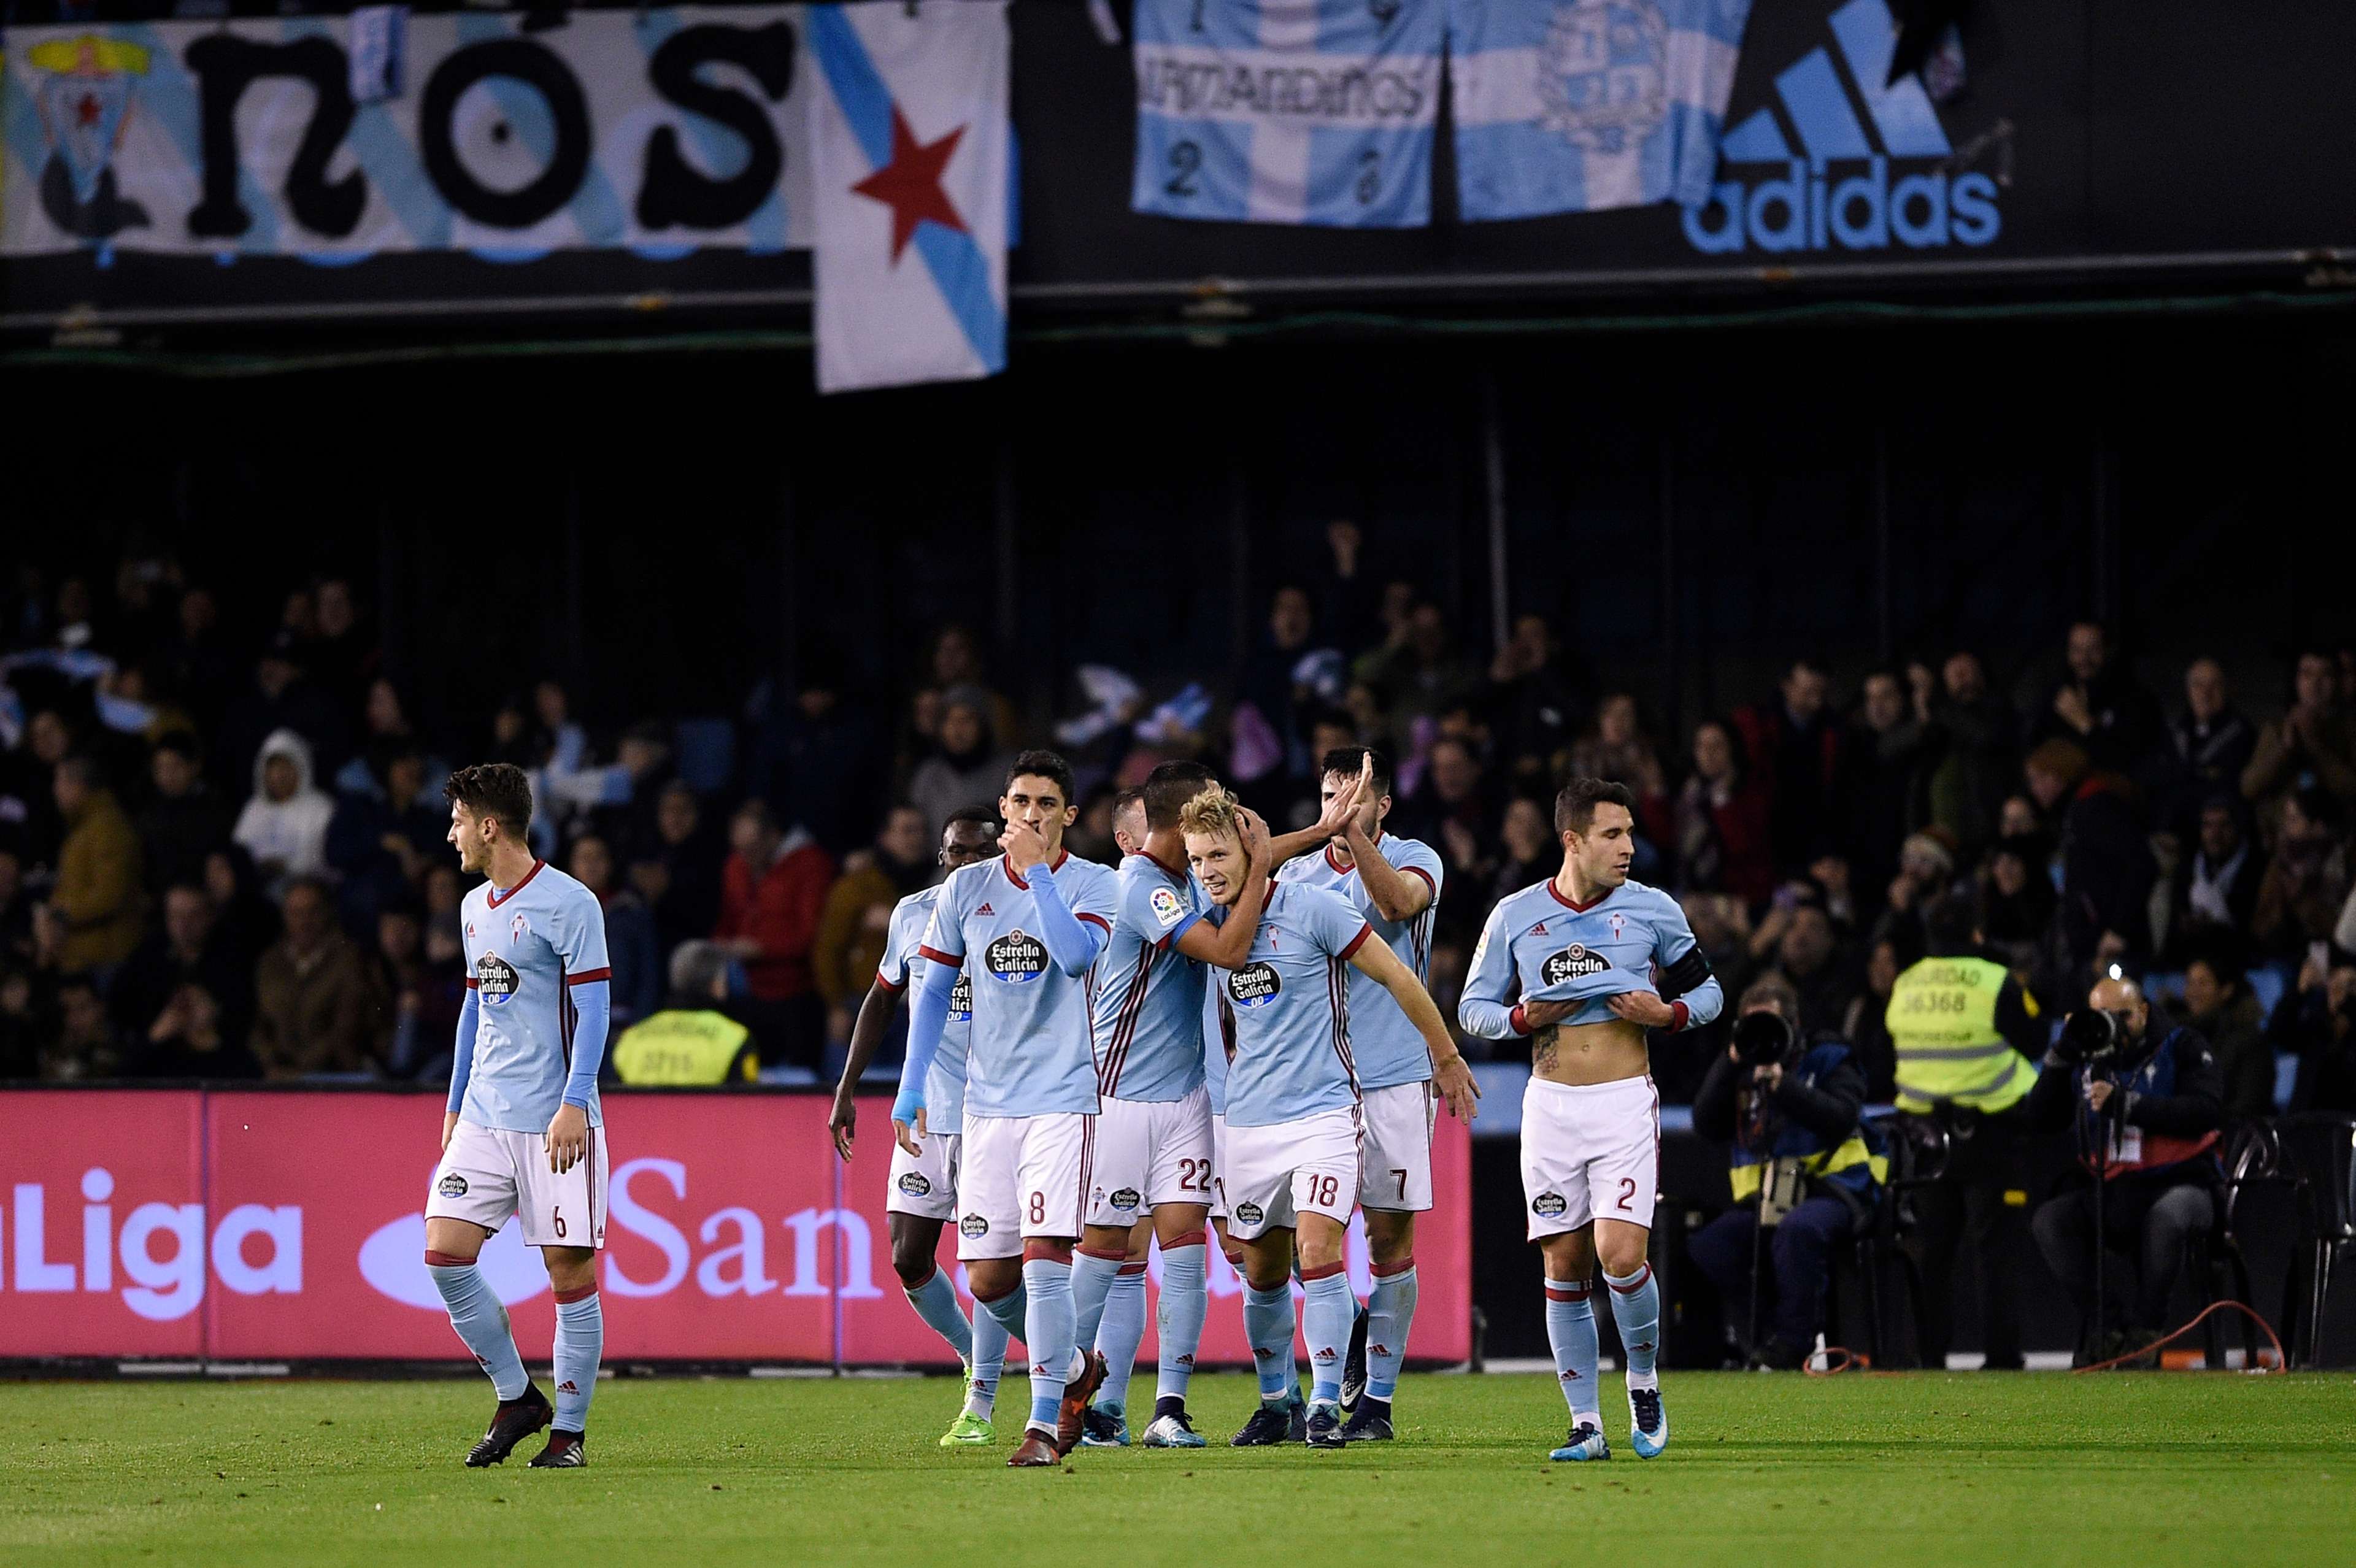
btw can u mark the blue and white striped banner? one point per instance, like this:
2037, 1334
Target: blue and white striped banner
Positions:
1317, 111
1578, 105
663, 131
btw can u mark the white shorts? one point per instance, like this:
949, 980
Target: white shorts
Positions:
1019, 1176
925, 1185
1395, 1163
1149, 1153
1589, 1151
1275, 1174
489, 1173
1218, 1166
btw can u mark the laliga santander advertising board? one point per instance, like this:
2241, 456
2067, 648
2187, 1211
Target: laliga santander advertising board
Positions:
253, 1225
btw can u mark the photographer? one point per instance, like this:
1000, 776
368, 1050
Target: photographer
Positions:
2148, 1106
1804, 1164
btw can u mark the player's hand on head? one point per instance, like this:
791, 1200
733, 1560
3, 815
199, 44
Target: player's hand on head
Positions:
843, 1123
568, 1138
1253, 830
906, 1137
1643, 1007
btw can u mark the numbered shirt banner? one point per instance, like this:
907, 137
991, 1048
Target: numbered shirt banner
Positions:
1319, 112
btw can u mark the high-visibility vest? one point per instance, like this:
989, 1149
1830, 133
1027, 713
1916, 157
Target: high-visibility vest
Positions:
1941, 1019
680, 1047
1794, 1142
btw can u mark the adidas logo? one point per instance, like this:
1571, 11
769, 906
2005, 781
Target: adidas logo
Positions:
1539, 930
1185, 1361
1324, 1356
1803, 208
1570, 1376
1378, 1350
985, 910
568, 1386
1646, 1347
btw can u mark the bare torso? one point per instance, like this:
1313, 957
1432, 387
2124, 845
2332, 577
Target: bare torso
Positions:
1601, 1052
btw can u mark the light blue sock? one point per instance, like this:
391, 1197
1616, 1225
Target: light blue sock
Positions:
1185, 1298
482, 1323
1048, 1330
1571, 1329
1268, 1324
1390, 1311
1009, 1312
1119, 1334
579, 1345
1327, 1312
936, 1302
988, 1356
1092, 1278
1636, 1308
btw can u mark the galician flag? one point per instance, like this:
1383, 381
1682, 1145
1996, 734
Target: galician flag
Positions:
908, 122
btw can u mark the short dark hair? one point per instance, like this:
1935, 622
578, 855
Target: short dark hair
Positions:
1122, 799
1951, 926
1040, 763
1347, 760
1574, 807
1167, 790
985, 815
500, 790
180, 743
83, 768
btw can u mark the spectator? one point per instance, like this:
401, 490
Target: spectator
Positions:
2106, 863
2016, 914
2216, 885
2317, 1022
1615, 748
1269, 686
311, 994
955, 663
691, 1041
23, 1030
2306, 880
1417, 676
1866, 1029
2212, 742
631, 944
2101, 709
188, 1039
192, 663
16, 907
188, 950
1533, 700
1451, 812
2219, 1003
243, 916
678, 875
1347, 607
380, 843
81, 1047
1723, 841
1794, 754
857, 916
967, 764
93, 912
1970, 747
1875, 794
182, 822
415, 999
284, 824
1809, 960
340, 656
28, 801
1529, 852
820, 758
278, 702
385, 723
2312, 746
771, 891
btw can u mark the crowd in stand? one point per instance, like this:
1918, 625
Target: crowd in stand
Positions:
221, 847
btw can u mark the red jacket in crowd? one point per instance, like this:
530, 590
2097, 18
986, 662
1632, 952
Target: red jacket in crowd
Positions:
779, 910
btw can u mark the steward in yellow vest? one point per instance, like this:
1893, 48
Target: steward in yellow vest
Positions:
682, 1045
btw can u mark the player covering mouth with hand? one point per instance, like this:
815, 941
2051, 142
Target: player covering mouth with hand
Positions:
1294, 1114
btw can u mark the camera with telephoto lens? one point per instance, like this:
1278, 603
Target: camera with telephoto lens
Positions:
2095, 1037
1763, 1038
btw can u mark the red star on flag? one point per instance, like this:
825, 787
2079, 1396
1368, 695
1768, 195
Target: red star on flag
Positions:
87, 111
910, 185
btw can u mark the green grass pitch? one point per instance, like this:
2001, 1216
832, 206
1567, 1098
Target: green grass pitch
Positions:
1922, 1470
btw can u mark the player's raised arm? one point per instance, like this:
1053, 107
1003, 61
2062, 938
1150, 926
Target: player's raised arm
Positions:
1073, 940
1331, 824
1450, 1071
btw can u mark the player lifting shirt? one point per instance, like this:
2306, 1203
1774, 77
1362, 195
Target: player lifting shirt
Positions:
1580, 952
1291, 1170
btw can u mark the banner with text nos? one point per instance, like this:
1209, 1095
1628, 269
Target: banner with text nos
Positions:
263, 1226
331, 139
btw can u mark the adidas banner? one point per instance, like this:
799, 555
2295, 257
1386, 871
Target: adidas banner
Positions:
335, 137
1318, 111
1578, 105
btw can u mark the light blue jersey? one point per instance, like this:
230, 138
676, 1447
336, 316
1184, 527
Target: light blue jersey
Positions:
1388, 1049
1553, 950
1148, 999
1291, 1010
1029, 1050
902, 967
526, 949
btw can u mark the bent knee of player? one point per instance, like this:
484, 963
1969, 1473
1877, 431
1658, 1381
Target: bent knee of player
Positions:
1390, 1236
1320, 1241
1621, 1249
571, 1268
1105, 1241
912, 1260
1570, 1256
990, 1278
1175, 1225
447, 1238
